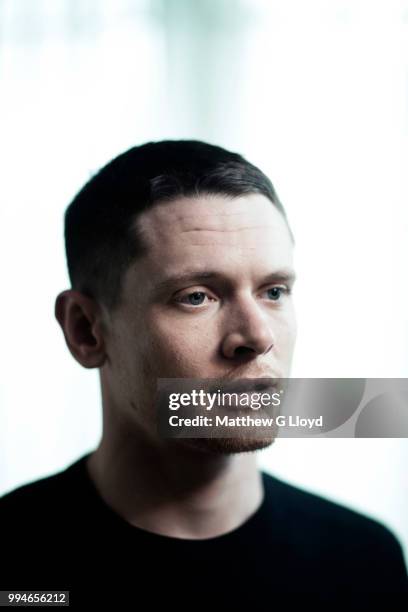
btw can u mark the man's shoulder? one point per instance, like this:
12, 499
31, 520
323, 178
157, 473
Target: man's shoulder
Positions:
42, 495
300, 504
310, 514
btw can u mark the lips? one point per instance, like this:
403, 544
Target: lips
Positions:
246, 385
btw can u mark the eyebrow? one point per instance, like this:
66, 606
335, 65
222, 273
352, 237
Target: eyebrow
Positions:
284, 275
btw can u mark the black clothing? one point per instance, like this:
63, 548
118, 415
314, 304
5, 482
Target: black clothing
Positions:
298, 548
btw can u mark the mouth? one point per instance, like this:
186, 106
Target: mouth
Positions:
246, 385
240, 394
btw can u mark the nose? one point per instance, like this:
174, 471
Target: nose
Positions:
249, 333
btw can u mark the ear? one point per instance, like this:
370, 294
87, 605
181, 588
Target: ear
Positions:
80, 319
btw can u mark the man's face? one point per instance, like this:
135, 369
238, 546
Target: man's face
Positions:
209, 300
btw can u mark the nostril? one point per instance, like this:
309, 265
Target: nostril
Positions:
243, 350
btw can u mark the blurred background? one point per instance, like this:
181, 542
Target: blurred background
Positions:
315, 93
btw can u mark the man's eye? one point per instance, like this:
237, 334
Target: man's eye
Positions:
197, 298
275, 293
194, 299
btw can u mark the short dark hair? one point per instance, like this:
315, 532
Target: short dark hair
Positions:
100, 238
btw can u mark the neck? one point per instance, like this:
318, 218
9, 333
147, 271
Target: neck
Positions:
173, 488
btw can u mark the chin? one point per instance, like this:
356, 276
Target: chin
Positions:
228, 446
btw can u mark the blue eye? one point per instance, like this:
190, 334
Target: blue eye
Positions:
196, 298
275, 292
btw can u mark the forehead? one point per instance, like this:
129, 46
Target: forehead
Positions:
214, 229
213, 218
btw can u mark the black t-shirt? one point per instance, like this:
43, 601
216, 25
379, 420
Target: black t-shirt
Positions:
298, 548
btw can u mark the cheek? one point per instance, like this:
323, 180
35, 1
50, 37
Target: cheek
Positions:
177, 351
286, 331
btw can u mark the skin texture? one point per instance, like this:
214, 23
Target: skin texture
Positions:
233, 326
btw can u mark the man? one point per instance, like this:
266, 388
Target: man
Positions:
181, 262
